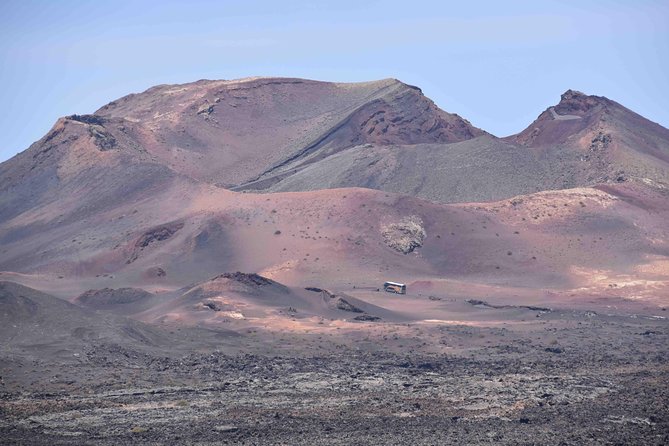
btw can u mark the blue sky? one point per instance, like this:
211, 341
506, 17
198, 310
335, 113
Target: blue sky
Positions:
498, 64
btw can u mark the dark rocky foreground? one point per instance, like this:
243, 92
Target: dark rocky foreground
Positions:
605, 382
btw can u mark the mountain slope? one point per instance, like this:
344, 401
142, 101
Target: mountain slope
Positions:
345, 237
480, 169
215, 132
233, 132
582, 141
592, 139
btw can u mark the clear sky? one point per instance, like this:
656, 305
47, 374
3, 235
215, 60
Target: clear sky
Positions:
496, 63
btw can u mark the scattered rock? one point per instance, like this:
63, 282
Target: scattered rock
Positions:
110, 296
87, 119
343, 304
600, 142
251, 279
154, 235
406, 235
156, 272
482, 303
367, 318
327, 295
206, 109
103, 139
210, 304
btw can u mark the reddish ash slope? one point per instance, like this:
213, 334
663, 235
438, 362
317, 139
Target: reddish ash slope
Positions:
335, 239
233, 132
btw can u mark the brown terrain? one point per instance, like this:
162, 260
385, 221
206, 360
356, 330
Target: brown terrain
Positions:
203, 264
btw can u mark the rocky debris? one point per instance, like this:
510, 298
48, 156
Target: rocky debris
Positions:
87, 119
110, 296
406, 235
212, 305
482, 303
343, 304
600, 142
251, 399
603, 389
103, 139
556, 350
367, 318
326, 294
250, 279
206, 109
621, 419
159, 234
156, 271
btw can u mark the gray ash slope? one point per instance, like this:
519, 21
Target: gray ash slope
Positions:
582, 141
480, 169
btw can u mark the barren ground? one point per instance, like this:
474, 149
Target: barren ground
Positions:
475, 373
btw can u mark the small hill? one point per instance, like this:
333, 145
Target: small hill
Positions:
120, 300
44, 326
247, 299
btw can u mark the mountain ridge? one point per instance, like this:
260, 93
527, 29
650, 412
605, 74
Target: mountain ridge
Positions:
135, 203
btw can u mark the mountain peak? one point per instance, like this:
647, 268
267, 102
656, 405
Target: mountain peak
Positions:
575, 112
574, 102
571, 94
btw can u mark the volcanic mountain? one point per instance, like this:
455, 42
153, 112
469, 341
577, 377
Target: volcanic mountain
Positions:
138, 194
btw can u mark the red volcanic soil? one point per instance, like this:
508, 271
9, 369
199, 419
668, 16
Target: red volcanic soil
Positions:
233, 132
584, 241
